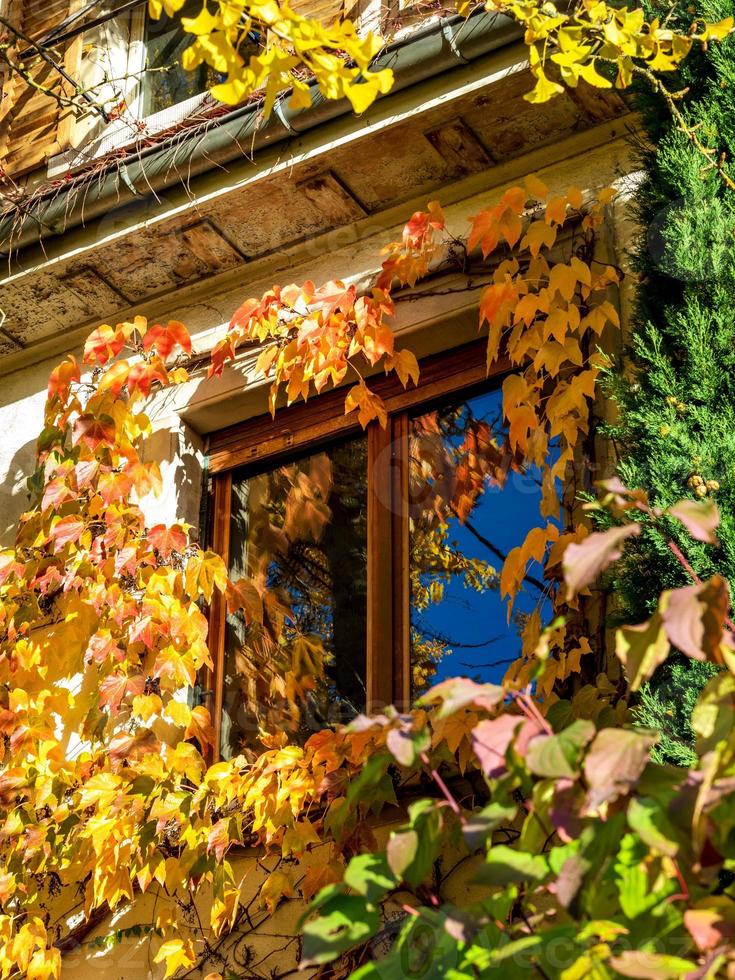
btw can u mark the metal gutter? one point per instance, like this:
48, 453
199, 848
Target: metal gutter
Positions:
429, 51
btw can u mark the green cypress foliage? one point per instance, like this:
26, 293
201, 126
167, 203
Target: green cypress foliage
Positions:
676, 433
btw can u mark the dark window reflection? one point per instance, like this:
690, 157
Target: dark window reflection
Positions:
298, 536
165, 41
466, 514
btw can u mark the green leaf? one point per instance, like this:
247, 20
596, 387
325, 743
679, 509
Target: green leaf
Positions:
558, 755
371, 876
634, 889
412, 851
506, 866
650, 821
482, 823
344, 921
641, 649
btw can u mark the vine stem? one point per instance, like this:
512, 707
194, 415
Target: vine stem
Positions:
446, 792
707, 152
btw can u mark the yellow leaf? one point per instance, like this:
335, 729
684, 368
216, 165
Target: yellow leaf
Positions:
405, 365
539, 234
179, 713
536, 187
177, 953
276, 886
544, 89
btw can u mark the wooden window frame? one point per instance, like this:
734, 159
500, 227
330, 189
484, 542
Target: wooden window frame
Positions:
312, 425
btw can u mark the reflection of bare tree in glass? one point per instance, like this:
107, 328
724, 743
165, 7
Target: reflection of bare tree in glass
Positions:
455, 454
300, 531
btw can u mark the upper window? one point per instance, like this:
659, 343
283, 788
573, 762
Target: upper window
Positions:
165, 82
380, 551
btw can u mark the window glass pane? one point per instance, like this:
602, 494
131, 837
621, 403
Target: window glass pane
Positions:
165, 41
299, 530
464, 517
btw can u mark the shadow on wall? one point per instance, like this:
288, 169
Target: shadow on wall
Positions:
14, 495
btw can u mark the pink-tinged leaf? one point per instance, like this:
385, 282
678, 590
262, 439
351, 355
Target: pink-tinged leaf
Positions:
700, 517
565, 809
165, 339
491, 739
584, 562
8, 565
713, 924
56, 492
460, 692
85, 472
694, 617
614, 763
652, 966
66, 530
406, 745
570, 879
100, 647
219, 839
167, 539
333, 296
117, 686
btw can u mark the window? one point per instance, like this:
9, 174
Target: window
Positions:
300, 529
380, 550
165, 83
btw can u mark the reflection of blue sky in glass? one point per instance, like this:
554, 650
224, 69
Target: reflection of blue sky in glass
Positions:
474, 625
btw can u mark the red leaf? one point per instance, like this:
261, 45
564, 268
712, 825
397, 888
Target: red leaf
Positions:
142, 374
130, 747
117, 686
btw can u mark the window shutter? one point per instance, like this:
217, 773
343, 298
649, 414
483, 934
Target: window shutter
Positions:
33, 126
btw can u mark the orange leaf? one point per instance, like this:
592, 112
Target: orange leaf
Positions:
167, 539
369, 405
164, 339
103, 343
63, 375
93, 431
